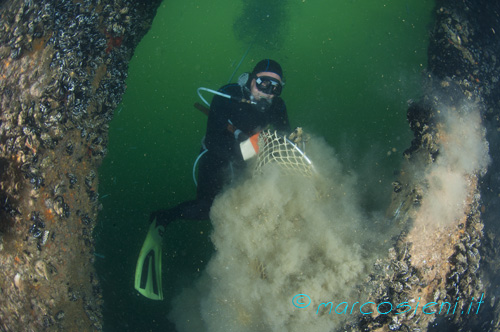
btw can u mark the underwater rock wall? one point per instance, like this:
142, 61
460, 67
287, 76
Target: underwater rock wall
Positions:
63, 70
445, 195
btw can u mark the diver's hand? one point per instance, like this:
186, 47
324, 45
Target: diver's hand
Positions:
250, 147
298, 136
240, 136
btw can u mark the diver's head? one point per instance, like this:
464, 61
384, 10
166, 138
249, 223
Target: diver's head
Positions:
268, 65
266, 83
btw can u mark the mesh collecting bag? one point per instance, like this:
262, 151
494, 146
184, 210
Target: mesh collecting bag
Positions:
284, 152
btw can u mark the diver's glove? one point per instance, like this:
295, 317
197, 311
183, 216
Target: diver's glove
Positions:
250, 147
240, 136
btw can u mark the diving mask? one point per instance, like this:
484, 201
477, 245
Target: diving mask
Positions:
268, 85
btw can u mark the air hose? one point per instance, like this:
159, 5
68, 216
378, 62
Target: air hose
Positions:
239, 100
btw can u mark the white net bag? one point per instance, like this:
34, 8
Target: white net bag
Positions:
285, 152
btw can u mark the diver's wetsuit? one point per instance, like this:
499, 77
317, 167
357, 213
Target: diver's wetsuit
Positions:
224, 155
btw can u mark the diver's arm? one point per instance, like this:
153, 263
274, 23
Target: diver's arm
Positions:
219, 139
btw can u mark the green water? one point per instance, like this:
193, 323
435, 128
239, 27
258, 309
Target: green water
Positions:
350, 67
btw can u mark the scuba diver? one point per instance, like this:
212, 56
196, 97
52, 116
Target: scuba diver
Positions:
238, 113
234, 122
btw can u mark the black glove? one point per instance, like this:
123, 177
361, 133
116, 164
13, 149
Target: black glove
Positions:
240, 136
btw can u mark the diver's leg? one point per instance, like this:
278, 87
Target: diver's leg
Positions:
197, 209
211, 177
